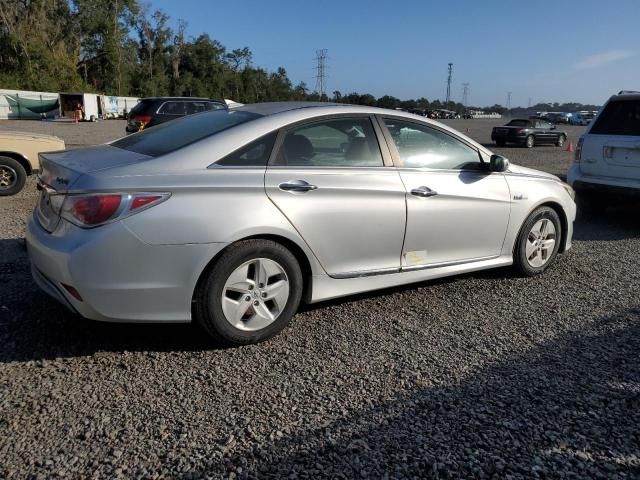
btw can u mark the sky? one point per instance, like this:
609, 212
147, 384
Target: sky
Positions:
541, 51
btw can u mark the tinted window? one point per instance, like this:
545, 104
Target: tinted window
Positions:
172, 108
518, 123
424, 147
347, 142
255, 154
170, 136
619, 118
141, 107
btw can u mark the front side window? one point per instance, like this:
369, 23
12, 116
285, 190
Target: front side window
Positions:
345, 142
619, 118
421, 146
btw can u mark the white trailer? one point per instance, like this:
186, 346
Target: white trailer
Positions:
117, 107
89, 103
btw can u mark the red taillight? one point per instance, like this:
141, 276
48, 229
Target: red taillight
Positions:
144, 119
142, 200
72, 291
520, 130
578, 154
96, 208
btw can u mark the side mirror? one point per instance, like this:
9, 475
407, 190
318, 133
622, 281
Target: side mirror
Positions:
498, 164
552, 127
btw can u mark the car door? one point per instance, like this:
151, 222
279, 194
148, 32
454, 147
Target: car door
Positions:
457, 211
336, 184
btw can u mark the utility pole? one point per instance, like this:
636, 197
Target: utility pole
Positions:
449, 85
465, 93
508, 100
321, 73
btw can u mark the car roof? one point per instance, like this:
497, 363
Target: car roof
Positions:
181, 98
626, 95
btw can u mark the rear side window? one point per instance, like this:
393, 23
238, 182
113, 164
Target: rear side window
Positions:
173, 108
170, 136
518, 123
345, 142
619, 118
255, 154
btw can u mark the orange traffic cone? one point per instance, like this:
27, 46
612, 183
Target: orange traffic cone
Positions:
570, 147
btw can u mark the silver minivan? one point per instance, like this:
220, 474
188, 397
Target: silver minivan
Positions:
607, 158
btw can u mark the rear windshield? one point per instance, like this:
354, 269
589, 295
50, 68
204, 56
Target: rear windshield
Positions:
170, 136
518, 123
619, 118
140, 106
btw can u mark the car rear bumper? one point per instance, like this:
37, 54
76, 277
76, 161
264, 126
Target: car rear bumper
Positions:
582, 183
119, 277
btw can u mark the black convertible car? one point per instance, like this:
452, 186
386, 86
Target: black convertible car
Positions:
528, 132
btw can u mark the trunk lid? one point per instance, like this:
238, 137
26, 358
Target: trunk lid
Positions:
59, 171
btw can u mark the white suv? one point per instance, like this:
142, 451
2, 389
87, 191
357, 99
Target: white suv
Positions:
608, 154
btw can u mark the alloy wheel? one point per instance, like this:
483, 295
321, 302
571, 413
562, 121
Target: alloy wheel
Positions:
8, 177
541, 242
255, 294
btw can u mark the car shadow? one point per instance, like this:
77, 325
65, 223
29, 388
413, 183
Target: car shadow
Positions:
568, 406
615, 221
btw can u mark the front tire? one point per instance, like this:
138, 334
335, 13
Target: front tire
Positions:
561, 140
538, 242
250, 293
529, 142
12, 176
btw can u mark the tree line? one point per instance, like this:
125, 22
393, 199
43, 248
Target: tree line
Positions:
123, 47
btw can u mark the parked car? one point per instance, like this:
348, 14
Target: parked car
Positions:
607, 156
581, 118
558, 118
230, 218
19, 157
528, 132
156, 110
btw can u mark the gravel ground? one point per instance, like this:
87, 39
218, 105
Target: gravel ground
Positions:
478, 376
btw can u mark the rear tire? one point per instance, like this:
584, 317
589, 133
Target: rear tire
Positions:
12, 176
538, 242
530, 142
500, 143
237, 302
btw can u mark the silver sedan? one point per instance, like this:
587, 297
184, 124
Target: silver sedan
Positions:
231, 218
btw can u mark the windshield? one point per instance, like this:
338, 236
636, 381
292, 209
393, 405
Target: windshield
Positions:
171, 136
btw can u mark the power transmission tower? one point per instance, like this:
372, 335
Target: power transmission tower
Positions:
508, 100
321, 73
465, 93
449, 84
